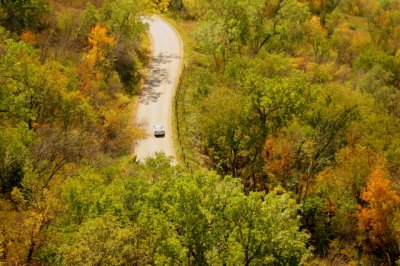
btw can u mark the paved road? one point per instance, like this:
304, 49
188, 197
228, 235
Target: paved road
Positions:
155, 106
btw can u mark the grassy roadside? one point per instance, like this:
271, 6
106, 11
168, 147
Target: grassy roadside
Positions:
185, 29
183, 115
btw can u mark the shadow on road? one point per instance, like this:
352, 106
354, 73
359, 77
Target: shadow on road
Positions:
158, 75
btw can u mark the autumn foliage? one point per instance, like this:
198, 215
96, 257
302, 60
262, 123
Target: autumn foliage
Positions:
293, 106
376, 215
100, 43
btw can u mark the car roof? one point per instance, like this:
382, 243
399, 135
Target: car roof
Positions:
158, 126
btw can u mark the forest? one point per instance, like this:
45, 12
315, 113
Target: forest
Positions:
289, 122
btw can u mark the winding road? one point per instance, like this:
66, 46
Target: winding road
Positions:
155, 103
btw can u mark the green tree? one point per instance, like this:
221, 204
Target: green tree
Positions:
371, 58
16, 15
230, 25
89, 17
211, 221
123, 18
164, 215
14, 143
223, 131
310, 147
234, 133
31, 91
176, 5
100, 240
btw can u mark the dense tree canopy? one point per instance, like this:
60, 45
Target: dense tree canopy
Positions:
289, 118
173, 218
303, 95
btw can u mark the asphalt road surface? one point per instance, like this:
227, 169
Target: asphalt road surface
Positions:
155, 104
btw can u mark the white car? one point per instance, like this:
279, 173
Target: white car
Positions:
158, 130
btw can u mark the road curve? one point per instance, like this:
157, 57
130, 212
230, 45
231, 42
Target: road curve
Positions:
155, 103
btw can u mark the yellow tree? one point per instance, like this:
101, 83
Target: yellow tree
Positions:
101, 43
376, 216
